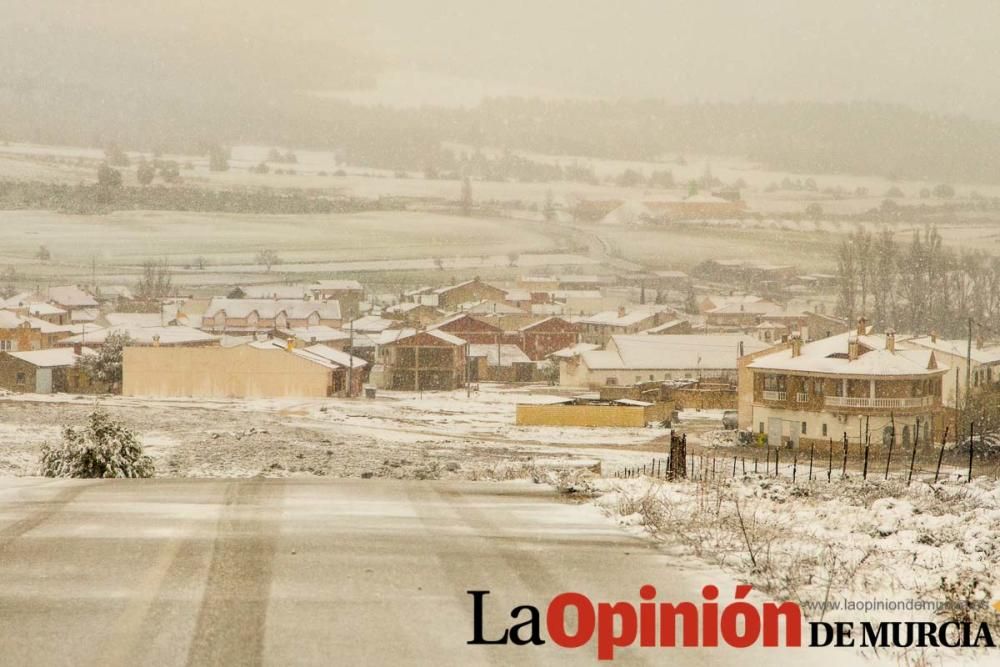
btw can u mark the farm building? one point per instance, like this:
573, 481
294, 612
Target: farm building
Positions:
265, 370
424, 360
601, 327
592, 413
45, 371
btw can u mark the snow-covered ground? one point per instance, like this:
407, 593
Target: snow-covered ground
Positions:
398, 434
847, 551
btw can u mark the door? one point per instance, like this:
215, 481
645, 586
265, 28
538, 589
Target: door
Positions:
43, 381
774, 432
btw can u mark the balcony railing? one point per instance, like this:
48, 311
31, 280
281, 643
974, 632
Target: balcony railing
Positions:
775, 395
801, 397
856, 402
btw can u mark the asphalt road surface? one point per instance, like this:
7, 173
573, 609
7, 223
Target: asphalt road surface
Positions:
287, 572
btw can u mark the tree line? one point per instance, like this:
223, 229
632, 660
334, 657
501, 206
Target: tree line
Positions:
919, 287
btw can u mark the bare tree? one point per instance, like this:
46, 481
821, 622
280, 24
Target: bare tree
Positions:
268, 258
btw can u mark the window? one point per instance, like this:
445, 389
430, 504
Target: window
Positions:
803, 428
611, 382
651, 378
6, 345
824, 430
760, 427
20, 379
818, 387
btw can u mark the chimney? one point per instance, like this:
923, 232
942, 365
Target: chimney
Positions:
890, 340
77, 349
156, 340
852, 348
933, 336
290, 344
796, 345
621, 311
862, 326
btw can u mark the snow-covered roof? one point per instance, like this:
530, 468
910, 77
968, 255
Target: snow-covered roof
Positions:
958, 348
40, 309
51, 358
141, 335
10, 320
613, 318
319, 334
372, 324
683, 351
664, 327
829, 356
508, 355
17, 300
752, 307
574, 350
71, 296
409, 333
489, 307
329, 356
269, 308
135, 319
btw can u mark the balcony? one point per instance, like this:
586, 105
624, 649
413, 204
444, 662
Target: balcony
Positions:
882, 403
775, 395
801, 397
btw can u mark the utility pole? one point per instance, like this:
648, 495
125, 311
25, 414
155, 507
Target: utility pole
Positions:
968, 365
350, 359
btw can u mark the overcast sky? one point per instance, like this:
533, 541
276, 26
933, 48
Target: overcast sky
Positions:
925, 53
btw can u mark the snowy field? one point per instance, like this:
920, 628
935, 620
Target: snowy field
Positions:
848, 551
401, 435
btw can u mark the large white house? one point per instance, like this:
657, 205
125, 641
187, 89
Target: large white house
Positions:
854, 383
627, 360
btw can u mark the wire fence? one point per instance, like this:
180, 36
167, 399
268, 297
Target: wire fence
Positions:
829, 463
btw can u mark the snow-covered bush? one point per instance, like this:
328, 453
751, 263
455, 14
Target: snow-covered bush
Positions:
103, 447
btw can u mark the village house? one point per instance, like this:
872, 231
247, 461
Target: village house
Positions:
21, 333
224, 315
70, 298
854, 383
348, 293
450, 297
470, 329
601, 327
424, 360
46, 371
742, 315
670, 328
413, 314
542, 338
499, 363
954, 354
633, 359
